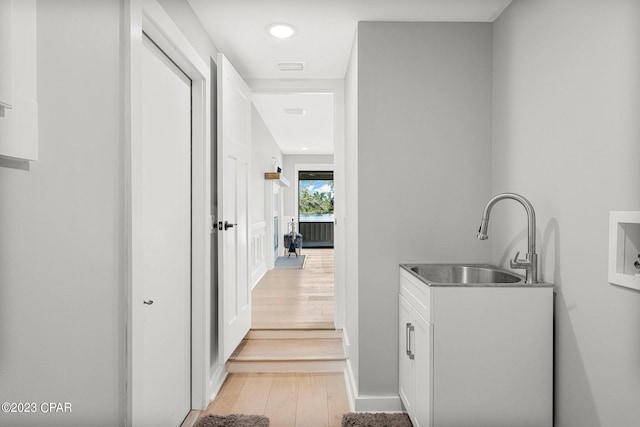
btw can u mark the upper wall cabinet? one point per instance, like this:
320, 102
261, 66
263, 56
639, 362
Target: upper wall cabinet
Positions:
6, 70
18, 80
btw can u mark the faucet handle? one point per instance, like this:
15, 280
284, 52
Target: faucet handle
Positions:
520, 263
515, 263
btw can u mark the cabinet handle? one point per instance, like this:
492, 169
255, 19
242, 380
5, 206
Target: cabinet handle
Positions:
409, 329
406, 339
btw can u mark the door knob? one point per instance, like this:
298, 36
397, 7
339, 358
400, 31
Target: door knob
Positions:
228, 225
149, 302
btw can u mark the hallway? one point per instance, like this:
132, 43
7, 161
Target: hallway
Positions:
296, 305
297, 299
293, 327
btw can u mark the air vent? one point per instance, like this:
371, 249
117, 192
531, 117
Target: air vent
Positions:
295, 111
291, 66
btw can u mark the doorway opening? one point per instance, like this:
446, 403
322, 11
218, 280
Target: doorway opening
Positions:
295, 325
302, 298
316, 208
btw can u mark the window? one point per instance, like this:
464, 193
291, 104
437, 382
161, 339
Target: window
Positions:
315, 196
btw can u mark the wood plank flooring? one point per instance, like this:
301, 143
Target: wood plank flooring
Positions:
277, 352
289, 349
289, 400
292, 309
296, 299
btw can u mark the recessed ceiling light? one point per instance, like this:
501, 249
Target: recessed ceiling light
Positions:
281, 31
304, 148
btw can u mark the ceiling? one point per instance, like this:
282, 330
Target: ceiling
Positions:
306, 119
325, 34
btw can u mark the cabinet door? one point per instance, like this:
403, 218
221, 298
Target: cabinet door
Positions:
6, 55
406, 380
423, 366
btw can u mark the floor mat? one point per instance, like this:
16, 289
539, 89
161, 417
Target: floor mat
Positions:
290, 262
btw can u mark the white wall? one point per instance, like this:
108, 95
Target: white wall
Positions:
567, 136
62, 300
424, 162
62, 251
263, 149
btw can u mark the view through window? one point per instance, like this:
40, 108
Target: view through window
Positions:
315, 207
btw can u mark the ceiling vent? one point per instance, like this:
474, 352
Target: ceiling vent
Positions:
295, 111
291, 66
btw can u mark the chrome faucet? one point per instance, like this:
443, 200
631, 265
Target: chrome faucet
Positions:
530, 264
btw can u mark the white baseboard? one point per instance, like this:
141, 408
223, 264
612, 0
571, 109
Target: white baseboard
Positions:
216, 381
367, 403
257, 275
346, 344
378, 404
350, 385
191, 418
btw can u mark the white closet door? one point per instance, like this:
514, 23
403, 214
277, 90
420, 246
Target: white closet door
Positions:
166, 193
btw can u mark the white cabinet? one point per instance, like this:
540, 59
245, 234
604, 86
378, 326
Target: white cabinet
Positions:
415, 363
6, 55
18, 80
475, 356
407, 374
416, 358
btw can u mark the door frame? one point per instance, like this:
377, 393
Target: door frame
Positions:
336, 87
149, 17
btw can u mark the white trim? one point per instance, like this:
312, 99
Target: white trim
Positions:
346, 343
150, 17
349, 378
378, 404
368, 403
623, 250
351, 385
257, 247
347, 382
216, 381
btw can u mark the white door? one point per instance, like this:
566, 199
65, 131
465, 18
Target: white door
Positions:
406, 364
166, 225
423, 371
234, 144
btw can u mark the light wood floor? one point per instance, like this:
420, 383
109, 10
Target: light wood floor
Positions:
289, 400
296, 299
292, 309
289, 349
